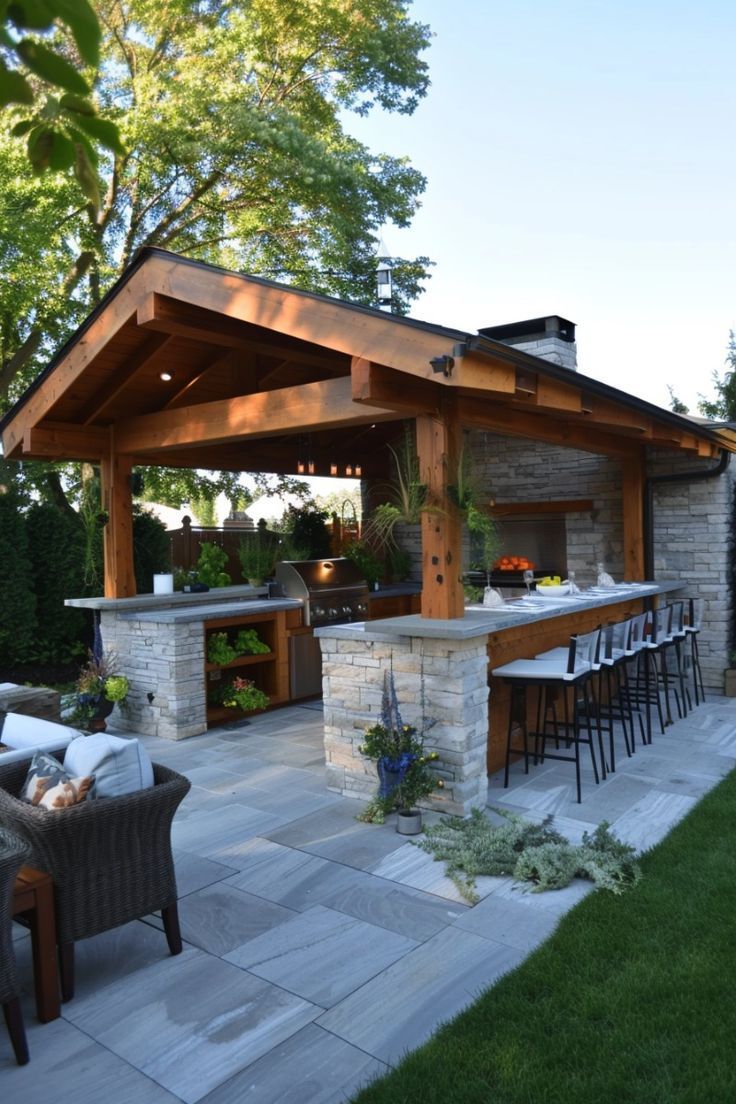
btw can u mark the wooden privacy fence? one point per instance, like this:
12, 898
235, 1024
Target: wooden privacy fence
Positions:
185, 543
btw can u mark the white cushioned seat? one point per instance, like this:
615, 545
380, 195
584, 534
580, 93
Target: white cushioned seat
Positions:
25, 735
120, 766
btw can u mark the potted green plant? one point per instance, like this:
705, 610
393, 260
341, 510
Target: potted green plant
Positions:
258, 553
408, 497
403, 765
99, 687
211, 564
243, 694
365, 559
467, 496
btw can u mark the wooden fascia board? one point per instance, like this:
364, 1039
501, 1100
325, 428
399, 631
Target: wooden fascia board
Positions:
309, 406
59, 441
523, 423
377, 385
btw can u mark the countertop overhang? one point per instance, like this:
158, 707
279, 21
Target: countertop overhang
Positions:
177, 608
481, 621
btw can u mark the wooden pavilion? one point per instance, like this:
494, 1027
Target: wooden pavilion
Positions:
187, 365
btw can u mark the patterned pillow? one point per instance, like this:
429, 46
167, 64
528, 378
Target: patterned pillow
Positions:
49, 785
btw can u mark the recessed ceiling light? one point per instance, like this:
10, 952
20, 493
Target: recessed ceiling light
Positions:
165, 376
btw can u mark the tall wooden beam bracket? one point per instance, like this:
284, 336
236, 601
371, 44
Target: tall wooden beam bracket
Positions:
117, 503
438, 439
632, 505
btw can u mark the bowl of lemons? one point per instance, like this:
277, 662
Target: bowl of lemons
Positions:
552, 586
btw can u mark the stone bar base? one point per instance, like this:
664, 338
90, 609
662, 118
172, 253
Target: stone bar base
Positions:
440, 681
164, 661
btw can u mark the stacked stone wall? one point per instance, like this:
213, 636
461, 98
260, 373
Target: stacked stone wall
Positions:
693, 525
442, 689
166, 661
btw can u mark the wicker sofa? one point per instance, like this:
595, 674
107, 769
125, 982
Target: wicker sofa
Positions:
110, 858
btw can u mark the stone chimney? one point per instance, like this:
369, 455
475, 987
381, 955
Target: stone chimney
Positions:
551, 338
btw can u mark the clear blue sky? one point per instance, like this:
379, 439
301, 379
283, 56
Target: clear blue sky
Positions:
581, 160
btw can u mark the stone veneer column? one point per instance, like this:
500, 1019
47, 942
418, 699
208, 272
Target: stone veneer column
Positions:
164, 659
444, 681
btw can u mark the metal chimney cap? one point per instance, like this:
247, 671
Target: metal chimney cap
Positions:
530, 328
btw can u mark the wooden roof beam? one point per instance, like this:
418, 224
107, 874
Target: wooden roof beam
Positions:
538, 427
135, 364
308, 407
59, 441
376, 385
160, 313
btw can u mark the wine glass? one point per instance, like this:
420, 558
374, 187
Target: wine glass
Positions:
528, 580
574, 588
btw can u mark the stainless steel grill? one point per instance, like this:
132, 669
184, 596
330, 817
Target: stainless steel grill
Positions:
332, 591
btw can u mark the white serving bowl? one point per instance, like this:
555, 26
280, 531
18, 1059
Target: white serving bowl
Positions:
552, 591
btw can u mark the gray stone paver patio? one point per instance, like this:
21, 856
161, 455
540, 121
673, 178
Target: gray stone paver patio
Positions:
318, 949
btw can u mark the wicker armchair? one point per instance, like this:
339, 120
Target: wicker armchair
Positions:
110, 859
14, 852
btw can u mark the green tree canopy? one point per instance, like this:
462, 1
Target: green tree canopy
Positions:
723, 406
44, 45
233, 151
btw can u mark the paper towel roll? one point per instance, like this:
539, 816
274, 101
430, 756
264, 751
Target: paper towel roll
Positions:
163, 584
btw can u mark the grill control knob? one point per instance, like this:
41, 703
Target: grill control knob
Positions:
332, 612
346, 610
317, 613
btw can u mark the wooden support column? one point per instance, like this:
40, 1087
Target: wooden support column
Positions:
117, 501
442, 589
632, 507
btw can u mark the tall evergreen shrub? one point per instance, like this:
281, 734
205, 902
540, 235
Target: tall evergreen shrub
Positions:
151, 549
17, 599
56, 545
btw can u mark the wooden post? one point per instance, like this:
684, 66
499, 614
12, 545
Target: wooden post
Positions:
442, 589
632, 508
117, 501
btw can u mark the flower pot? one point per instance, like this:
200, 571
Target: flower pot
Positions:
391, 772
103, 709
409, 822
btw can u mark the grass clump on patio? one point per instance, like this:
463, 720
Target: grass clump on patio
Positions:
529, 852
630, 1001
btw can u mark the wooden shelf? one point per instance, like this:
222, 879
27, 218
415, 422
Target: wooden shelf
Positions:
241, 661
553, 506
268, 670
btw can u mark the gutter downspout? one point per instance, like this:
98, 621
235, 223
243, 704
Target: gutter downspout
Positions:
671, 477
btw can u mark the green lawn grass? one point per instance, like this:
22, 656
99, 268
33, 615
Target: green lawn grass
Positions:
632, 1000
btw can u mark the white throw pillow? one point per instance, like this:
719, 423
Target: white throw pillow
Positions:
119, 766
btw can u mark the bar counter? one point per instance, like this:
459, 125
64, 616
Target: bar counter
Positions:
520, 628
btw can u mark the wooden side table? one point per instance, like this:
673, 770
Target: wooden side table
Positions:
33, 896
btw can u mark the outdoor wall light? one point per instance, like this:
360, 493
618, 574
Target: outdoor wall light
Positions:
442, 365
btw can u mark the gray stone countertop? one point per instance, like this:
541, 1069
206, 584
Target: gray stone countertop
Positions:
184, 614
162, 601
481, 620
